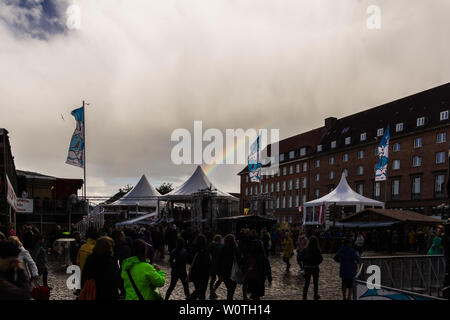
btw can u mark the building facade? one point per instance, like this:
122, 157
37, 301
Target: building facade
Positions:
311, 163
7, 168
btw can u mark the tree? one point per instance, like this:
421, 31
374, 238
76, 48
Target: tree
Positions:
165, 187
125, 189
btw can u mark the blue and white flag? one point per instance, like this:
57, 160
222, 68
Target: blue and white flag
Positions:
383, 153
254, 167
76, 148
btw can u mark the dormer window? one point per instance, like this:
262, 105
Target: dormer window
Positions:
292, 155
444, 115
281, 156
348, 140
399, 127
319, 148
420, 121
333, 144
363, 136
302, 151
380, 132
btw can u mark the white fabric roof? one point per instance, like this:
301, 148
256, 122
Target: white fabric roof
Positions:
196, 182
143, 194
344, 195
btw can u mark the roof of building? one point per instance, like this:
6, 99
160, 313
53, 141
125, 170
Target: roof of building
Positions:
395, 215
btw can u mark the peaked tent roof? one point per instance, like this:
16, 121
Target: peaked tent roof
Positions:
344, 195
142, 194
198, 181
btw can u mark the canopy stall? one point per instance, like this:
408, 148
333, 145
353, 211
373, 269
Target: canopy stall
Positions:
343, 195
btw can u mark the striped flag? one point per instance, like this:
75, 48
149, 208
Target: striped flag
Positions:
76, 148
383, 152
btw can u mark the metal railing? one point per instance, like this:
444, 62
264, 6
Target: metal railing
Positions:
423, 274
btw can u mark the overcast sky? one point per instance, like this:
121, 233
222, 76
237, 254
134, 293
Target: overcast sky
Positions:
151, 66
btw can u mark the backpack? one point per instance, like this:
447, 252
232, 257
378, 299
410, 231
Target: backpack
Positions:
89, 291
251, 271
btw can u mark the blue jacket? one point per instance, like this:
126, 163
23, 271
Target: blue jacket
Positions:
348, 258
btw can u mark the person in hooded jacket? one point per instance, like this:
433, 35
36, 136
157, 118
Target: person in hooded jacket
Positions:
103, 269
349, 259
24, 256
312, 258
147, 278
178, 261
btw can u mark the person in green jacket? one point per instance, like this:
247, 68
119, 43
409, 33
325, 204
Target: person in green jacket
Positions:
146, 277
436, 247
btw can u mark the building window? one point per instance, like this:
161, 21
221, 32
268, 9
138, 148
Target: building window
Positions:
303, 151
278, 186
396, 165
331, 160
420, 121
395, 188
418, 142
297, 183
440, 157
317, 177
297, 168
284, 186
261, 188
317, 163
444, 115
333, 144
399, 127
291, 169
416, 186
317, 193
360, 188
281, 156
256, 190
304, 199
278, 202
417, 161
305, 166
361, 154
284, 202
441, 137
297, 200
284, 171
377, 190
439, 185
380, 132
319, 148
290, 202
360, 170
290, 184
304, 183
283, 219
396, 147
267, 188
291, 154
363, 136
346, 173
271, 187
246, 178
345, 157
251, 191
331, 175
246, 191
348, 140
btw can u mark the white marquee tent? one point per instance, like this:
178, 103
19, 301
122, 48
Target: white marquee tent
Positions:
143, 195
343, 195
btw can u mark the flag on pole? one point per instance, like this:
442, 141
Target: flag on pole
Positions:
76, 148
254, 167
383, 153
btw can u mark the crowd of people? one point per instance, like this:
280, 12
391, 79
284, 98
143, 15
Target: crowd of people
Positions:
121, 263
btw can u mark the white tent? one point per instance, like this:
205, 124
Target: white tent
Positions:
198, 181
143, 195
343, 195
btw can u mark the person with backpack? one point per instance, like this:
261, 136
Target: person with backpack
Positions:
178, 261
101, 267
257, 270
348, 259
214, 249
26, 259
14, 283
312, 258
141, 279
288, 251
199, 270
228, 256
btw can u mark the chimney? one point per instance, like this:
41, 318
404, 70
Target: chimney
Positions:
329, 122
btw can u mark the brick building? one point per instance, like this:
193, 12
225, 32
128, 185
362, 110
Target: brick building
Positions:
311, 163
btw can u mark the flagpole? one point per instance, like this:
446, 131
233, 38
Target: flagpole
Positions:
84, 154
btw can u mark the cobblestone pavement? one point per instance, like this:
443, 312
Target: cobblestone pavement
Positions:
285, 286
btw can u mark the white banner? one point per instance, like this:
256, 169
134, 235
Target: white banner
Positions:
25, 205
11, 195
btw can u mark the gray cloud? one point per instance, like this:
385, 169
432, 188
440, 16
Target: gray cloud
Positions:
149, 67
